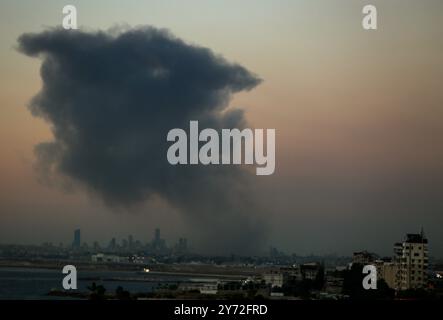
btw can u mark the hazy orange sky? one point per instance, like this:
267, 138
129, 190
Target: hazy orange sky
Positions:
358, 115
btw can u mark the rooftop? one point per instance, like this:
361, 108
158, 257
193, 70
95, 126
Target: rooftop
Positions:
416, 238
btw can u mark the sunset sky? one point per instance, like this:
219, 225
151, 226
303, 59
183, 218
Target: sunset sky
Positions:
358, 117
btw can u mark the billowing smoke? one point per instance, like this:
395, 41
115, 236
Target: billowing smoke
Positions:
112, 97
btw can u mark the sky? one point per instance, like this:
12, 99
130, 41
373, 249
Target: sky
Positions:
358, 119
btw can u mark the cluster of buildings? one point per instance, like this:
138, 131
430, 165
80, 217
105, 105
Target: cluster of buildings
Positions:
130, 245
276, 275
407, 269
131, 251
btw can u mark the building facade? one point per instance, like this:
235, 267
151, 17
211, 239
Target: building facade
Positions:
77, 240
411, 256
388, 271
363, 257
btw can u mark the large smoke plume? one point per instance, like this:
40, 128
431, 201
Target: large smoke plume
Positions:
111, 98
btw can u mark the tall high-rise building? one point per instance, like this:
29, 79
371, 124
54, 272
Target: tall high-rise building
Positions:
411, 256
130, 242
158, 244
112, 244
76, 243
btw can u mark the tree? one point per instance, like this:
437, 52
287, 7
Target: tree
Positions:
122, 294
97, 292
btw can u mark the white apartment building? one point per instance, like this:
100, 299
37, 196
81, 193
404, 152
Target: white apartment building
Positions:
411, 256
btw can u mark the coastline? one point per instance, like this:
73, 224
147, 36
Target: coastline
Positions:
199, 271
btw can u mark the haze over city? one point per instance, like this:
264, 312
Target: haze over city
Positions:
359, 135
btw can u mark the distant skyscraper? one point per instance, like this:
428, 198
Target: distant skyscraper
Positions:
130, 241
112, 244
76, 243
158, 244
96, 246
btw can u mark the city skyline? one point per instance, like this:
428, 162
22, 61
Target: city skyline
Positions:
158, 245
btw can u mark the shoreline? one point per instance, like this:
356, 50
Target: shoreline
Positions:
185, 270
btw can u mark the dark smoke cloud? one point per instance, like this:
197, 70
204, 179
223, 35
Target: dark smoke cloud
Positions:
112, 97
